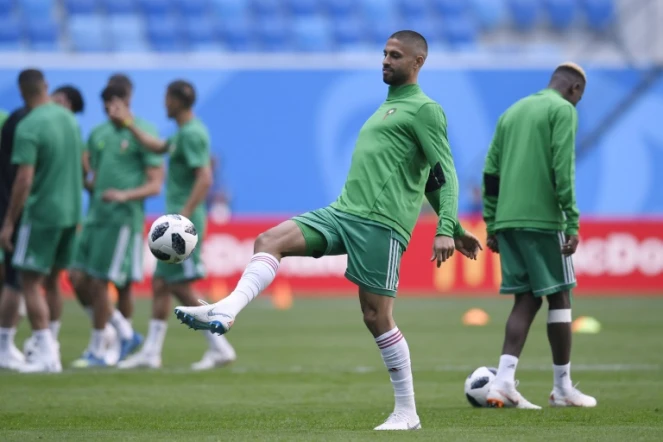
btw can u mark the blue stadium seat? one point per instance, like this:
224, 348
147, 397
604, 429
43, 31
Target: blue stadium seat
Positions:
273, 33
378, 31
155, 7
192, 8
453, 7
6, 8
80, 6
600, 13
266, 8
561, 13
428, 26
231, 9
348, 32
340, 9
302, 7
377, 10
490, 14
413, 9
42, 33
36, 8
10, 33
525, 13
237, 34
200, 32
88, 33
127, 33
311, 34
461, 33
119, 6
163, 33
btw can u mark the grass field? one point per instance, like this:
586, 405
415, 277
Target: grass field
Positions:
313, 373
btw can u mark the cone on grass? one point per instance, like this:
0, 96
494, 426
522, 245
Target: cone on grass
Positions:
586, 324
282, 296
112, 292
476, 317
218, 290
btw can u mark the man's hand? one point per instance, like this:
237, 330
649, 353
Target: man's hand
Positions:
114, 195
6, 237
443, 249
119, 113
468, 245
571, 244
492, 244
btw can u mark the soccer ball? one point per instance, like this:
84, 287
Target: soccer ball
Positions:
477, 385
172, 238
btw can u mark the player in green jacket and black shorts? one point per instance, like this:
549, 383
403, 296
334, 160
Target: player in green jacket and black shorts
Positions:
532, 220
189, 179
402, 153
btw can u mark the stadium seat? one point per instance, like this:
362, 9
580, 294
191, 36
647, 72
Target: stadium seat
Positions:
490, 14
266, 8
461, 32
6, 8
340, 9
200, 33
427, 26
311, 34
231, 9
10, 32
378, 31
127, 33
378, 10
347, 32
119, 7
36, 8
237, 34
561, 13
524, 13
413, 9
155, 7
302, 7
600, 13
453, 7
88, 33
42, 33
273, 33
80, 6
192, 8
162, 33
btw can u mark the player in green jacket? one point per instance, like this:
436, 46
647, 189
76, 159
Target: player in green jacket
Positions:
532, 220
402, 154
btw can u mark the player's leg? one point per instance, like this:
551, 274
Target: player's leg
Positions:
306, 235
515, 279
125, 301
54, 301
10, 297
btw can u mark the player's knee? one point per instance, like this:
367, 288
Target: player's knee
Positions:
159, 287
267, 242
124, 292
51, 285
559, 301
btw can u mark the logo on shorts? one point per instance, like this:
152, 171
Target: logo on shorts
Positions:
389, 112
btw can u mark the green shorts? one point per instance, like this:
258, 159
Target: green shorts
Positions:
191, 269
374, 250
42, 248
532, 261
111, 253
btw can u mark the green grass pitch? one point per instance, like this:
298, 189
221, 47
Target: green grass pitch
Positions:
313, 373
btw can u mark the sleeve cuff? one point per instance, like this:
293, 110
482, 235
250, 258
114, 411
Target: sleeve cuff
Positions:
571, 231
446, 227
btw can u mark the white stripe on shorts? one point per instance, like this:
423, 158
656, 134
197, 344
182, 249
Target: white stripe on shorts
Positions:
22, 244
120, 253
137, 258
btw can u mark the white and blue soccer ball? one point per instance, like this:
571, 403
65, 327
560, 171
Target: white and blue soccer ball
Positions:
477, 385
172, 238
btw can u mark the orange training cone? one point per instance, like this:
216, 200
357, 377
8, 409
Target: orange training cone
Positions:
282, 296
475, 317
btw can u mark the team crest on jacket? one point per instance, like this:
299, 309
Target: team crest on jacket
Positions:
124, 145
389, 112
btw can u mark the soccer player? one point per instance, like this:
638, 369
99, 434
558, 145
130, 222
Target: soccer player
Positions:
125, 174
532, 221
47, 188
401, 154
189, 179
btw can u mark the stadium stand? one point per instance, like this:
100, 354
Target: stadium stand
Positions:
291, 25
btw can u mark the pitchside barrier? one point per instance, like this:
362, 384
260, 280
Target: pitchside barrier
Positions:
615, 257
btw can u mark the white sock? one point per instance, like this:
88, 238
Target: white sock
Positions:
562, 375
506, 371
260, 272
22, 308
45, 343
220, 344
97, 343
156, 334
396, 357
6, 338
123, 327
55, 329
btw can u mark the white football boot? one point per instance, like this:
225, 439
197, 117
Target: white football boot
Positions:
400, 422
213, 359
12, 359
570, 398
112, 345
42, 361
205, 317
506, 396
141, 359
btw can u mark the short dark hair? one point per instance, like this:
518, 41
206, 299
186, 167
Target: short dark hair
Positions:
568, 74
74, 96
114, 91
412, 38
183, 91
122, 80
30, 81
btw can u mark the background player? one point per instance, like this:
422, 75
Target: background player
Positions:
47, 188
401, 154
189, 180
125, 173
532, 220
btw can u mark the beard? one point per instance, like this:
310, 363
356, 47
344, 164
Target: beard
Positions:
394, 78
